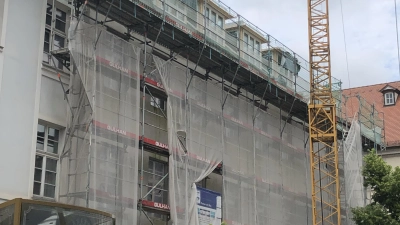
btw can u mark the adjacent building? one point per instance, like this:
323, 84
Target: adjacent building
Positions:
384, 99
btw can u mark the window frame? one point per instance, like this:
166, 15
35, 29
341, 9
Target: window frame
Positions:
220, 19
53, 32
213, 17
251, 43
160, 103
45, 156
109, 154
257, 46
152, 176
387, 98
246, 40
164, 189
233, 33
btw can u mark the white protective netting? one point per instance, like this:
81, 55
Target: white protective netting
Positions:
100, 161
265, 176
264, 170
194, 137
353, 160
239, 202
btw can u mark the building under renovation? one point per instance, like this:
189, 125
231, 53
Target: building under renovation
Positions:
183, 112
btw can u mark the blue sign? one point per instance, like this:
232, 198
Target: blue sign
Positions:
207, 198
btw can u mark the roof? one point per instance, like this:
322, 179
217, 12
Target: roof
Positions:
388, 87
373, 95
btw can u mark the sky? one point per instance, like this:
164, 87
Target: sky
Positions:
369, 27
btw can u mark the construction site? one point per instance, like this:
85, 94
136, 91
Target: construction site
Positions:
183, 112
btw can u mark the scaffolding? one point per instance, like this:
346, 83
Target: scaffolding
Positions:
216, 127
100, 157
192, 95
361, 128
371, 120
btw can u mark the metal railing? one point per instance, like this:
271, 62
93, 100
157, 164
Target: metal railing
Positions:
195, 23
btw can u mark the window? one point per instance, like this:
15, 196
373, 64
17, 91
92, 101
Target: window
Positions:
251, 43
118, 51
220, 21
46, 48
46, 161
55, 33
111, 85
49, 15
230, 132
61, 20
198, 118
191, 3
233, 33
157, 103
257, 46
107, 155
246, 41
157, 170
389, 98
213, 17
207, 16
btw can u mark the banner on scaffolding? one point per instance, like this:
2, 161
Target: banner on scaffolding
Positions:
209, 207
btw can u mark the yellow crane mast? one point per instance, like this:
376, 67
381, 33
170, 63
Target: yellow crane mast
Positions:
322, 120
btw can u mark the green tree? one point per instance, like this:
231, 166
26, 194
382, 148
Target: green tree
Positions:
385, 186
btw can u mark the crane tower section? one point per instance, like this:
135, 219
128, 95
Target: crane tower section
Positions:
322, 120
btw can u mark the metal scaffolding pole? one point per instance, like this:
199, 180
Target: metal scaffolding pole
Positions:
383, 134
237, 68
202, 49
143, 84
187, 84
75, 111
306, 164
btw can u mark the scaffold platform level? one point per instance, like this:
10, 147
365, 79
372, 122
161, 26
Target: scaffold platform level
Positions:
141, 18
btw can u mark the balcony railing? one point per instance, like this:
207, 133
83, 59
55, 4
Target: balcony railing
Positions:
195, 24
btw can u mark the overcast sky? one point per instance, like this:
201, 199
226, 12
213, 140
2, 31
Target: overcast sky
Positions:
369, 26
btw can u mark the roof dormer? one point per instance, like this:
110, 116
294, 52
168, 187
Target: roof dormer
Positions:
390, 95
216, 14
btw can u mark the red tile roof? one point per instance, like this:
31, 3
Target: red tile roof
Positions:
373, 95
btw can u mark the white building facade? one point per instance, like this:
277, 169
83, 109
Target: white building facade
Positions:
31, 102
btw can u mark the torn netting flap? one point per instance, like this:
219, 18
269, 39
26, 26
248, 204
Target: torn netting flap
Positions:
353, 169
74, 160
103, 166
194, 137
205, 135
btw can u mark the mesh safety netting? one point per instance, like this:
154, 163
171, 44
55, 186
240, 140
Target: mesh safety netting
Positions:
265, 167
353, 161
99, 165
194, 137
264, 170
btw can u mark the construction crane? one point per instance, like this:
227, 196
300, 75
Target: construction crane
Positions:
322, 120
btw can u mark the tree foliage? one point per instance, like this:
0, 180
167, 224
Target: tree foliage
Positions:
373, 214
385, 188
